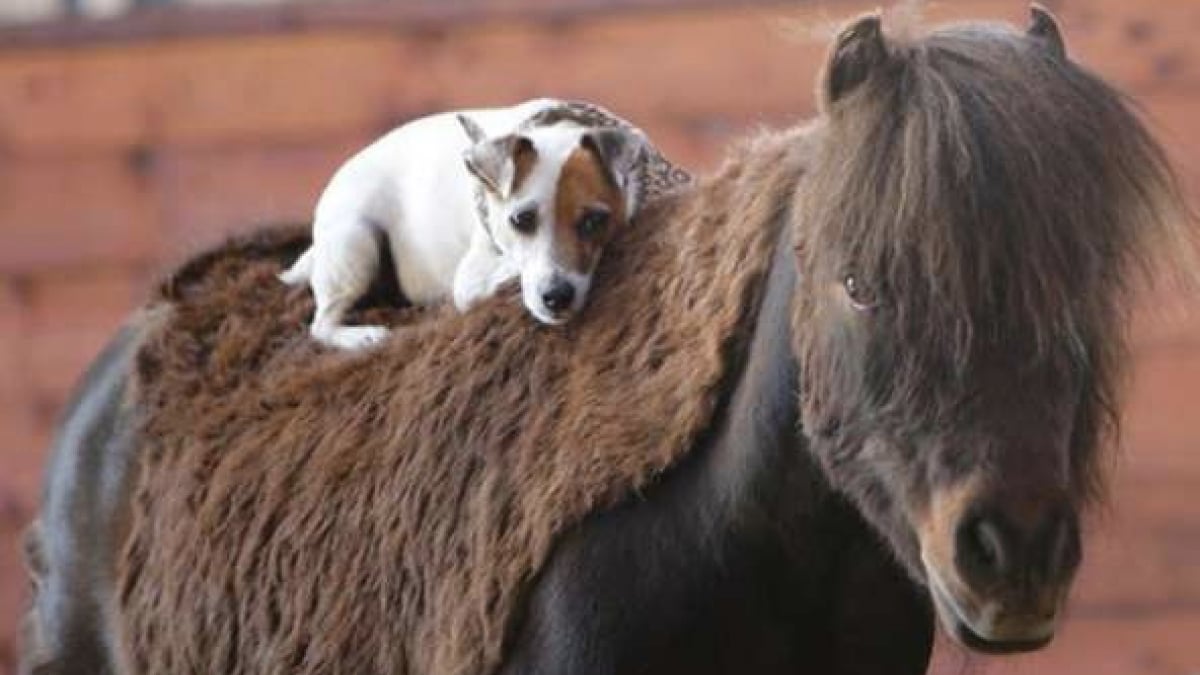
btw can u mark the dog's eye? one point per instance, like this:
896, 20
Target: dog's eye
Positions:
592, 224
861, 297
525, 221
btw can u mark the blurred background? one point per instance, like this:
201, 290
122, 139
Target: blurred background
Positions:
133, 132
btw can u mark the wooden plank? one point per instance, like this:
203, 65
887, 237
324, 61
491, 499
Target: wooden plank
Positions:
264, 88
72, 315
175, 21
1160, 424
303, 85
697, 67
1167, 321
306, 86
1144, 550
1172, 116
12, 332
219, 90
52, 100
1144, 555
700, 145
675, 75
1169, 316
1141, 46
24, 442
207, 91
13, 596
60, 212
209, 194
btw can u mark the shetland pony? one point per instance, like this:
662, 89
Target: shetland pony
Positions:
915, 428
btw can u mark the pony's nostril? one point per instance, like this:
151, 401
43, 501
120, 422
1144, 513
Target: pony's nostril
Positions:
982, 554
559, 296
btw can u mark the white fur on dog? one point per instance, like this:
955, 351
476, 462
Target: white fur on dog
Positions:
412, 188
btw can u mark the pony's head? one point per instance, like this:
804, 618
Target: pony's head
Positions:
966, 238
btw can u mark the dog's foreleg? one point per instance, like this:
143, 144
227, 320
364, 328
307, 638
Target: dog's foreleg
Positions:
475, 277
503, 273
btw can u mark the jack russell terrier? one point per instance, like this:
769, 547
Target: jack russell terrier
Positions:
468, 201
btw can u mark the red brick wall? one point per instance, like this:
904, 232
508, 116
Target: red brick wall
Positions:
119, 156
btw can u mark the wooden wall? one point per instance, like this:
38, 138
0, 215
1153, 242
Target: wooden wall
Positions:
125, 145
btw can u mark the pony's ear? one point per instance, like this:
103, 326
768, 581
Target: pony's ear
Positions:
859, 50
1044, 30
494, 162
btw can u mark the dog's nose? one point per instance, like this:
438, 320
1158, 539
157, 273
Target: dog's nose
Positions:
559, 296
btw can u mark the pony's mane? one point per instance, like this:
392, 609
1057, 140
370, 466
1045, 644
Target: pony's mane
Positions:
995, 198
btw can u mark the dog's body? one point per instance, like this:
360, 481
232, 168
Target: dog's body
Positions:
467, 202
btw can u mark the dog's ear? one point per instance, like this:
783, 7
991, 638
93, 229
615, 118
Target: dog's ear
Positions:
494, 162
474, 132
858, 52
1044, 30
620, 151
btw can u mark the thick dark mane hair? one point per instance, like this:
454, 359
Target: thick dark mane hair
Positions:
1028, 189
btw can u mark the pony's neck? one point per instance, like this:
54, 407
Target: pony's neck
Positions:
752, 469
759, 463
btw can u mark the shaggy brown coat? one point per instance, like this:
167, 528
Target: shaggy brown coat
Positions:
303, 511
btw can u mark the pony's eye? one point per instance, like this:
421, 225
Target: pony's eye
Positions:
592, 224
525, 221
860, 296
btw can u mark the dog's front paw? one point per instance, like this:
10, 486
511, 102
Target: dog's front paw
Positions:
354, 337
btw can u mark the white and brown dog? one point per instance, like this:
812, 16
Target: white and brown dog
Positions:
468, 201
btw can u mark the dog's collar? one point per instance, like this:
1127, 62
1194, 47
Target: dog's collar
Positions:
481, 212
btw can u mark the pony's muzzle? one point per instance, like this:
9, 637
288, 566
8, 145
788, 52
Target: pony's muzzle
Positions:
1000, 565
994, 548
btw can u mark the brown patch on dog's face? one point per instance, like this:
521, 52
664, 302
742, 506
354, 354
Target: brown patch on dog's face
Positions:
588, 210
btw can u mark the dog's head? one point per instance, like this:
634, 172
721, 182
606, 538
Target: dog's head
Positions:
556, 196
